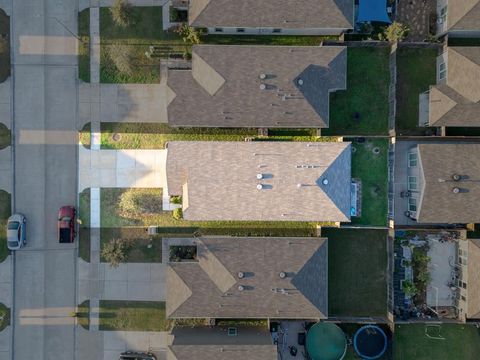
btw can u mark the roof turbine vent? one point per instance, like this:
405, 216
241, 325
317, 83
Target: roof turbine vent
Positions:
282, 275
259, 186
456, 190
325, 181
259, 176
262, 76
241, 275
263, 86
300, 81
456, 177
241, 287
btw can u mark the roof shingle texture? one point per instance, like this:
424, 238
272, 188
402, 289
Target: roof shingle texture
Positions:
302, 294
457, 101
300, 181
439, 204
287, 14
463, 15
223, 89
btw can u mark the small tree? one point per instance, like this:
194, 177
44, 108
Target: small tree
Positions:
122, 13
121, 55
115, 251
189, 34
395, 32
177, 214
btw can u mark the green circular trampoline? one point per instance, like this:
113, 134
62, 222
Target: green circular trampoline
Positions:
326, 341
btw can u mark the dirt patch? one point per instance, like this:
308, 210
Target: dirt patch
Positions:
418, 16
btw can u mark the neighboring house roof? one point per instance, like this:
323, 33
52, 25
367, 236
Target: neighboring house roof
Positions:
473, 301
463, 15
300, 181
438, 203
213, 343
456, 101
223, 89
210, 287
286, 14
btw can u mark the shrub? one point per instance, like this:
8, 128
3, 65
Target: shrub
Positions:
121, 12
182, 252
189, 34
177, 214
121, 55
409, 288
135, 203
176, 199
115, 251
395, 32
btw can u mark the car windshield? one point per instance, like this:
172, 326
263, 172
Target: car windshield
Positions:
65, 218
12, 243
13, 225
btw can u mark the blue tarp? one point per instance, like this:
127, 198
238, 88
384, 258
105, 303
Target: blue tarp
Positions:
373, 10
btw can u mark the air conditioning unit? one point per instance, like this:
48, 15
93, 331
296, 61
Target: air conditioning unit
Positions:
440, 21
152, 230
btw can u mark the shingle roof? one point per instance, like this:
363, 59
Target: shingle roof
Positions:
473, 300
457, 101
287, 14
302, 294
213, 343
463, 15
300, 181
439, 204
223, 87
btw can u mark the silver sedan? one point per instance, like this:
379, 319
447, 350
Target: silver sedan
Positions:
16, 231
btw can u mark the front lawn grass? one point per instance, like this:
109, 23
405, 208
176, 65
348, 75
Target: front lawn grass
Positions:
461, 341
4, 46
146, 249
4, 316
357, 272
155, 135
368, 80
84, 45
145, 31
416, 71
112, 217
132, 316
83, 315
5, 136
5, 212
372, 170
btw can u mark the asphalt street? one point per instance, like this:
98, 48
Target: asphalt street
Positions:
45, 155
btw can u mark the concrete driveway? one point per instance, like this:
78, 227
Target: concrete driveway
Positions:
45, 113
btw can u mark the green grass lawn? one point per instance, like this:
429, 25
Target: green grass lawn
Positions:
83, 315
461, 342
5, 212
84, 231
4, 46
140, 252
4, 316
5, 136
357, 272
372, 170
132, 316
112, 217
145, 31
368, 79
84, 45
287, 40
416, 70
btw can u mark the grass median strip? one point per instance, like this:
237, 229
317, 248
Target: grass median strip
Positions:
4, 316
84, 45
132, 316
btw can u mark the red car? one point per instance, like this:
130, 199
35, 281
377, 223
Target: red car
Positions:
66, 224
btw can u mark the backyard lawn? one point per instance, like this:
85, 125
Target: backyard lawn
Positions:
5, 139
145, 31
4, 46
372, 169
368, 79
84, 45
132, 316
5, 212
357, 272
416, 70
459, 341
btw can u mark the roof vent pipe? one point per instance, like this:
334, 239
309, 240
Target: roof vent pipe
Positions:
241, 288
259, 186
262, 76
456, 177
456, 190
282, 275
263, 86
241, 275
259, 176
